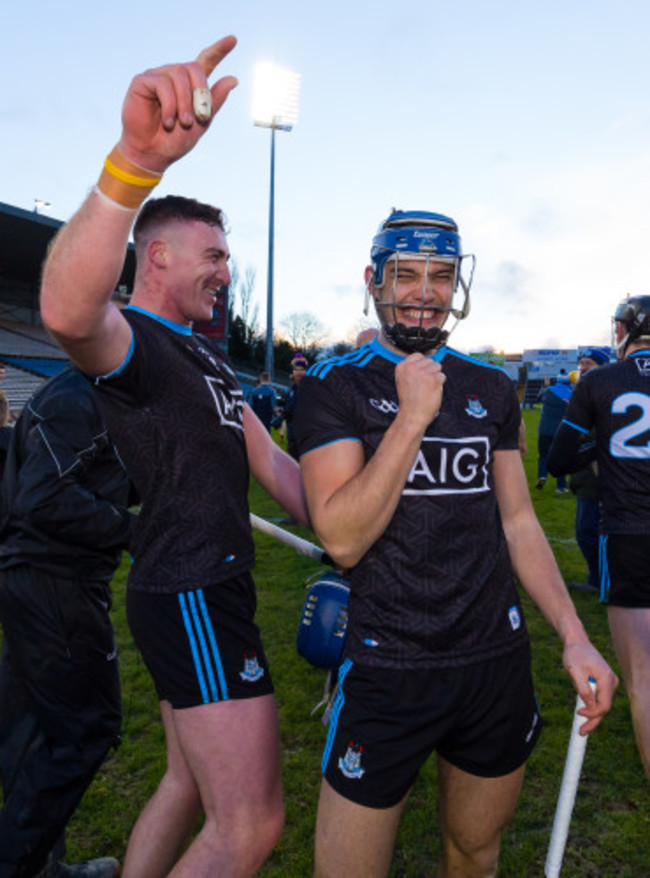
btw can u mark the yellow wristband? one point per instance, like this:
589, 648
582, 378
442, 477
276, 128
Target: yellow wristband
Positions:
124, 182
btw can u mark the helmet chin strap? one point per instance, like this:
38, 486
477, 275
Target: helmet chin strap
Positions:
415, 339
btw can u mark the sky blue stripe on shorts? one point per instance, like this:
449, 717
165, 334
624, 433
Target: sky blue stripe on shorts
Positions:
203, 645
605, 582
213, 644
339, 701
195, 653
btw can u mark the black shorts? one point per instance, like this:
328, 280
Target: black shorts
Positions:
385, 723
201, 646
625, 570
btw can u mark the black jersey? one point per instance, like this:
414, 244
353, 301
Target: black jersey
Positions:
174, 411
615, 400
436, 589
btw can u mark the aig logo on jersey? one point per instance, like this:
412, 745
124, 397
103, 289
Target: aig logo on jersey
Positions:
450, 466
229, 402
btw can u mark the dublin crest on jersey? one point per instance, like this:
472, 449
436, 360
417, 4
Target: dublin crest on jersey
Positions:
475, 408
252, 670
350, 764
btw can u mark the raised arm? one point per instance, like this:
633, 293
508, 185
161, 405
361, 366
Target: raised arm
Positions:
159, 126
350, 501
535, 567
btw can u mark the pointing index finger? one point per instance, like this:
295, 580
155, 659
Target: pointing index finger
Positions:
214, 54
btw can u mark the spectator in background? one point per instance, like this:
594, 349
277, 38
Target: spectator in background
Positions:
586, 486
263, 400
299, 366
554, 399
64, 523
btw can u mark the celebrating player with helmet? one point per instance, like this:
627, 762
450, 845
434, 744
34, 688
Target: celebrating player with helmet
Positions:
411, 467
614, 401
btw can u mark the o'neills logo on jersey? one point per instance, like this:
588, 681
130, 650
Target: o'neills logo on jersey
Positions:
385, 406
450, 466
228, 401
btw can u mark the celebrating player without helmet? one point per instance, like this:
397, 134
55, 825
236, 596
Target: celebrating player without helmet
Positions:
176, 412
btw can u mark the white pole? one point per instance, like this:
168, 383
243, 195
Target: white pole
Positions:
303, 547
567, 797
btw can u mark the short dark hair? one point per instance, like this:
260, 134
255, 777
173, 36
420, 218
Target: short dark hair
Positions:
176, 208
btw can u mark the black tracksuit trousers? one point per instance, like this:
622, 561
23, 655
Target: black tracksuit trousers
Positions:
60, 708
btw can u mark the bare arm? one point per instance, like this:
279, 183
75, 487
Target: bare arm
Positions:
351, 502
274, 469
536, 569
79, 277
84, 264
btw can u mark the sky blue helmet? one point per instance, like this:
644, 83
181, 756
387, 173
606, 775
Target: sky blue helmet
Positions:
415, 232
421, 235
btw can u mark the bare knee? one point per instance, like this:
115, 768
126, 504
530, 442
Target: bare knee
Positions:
246, 843
637, 684
263, 835
180, 789
470, 860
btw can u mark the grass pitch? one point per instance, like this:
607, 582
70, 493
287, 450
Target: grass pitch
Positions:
610, 829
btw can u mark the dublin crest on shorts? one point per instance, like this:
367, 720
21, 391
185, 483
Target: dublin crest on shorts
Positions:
350, 764
252, 670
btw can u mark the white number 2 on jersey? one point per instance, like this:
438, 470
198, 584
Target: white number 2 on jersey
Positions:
618, 444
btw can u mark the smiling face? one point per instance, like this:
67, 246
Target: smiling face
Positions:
196, 266
416, 293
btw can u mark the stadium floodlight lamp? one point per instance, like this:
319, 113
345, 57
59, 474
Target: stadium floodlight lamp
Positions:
276, 92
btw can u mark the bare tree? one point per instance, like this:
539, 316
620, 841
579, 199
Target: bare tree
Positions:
303, 330
242, 289
244, 313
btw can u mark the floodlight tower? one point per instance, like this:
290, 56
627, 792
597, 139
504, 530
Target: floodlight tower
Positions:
276, 92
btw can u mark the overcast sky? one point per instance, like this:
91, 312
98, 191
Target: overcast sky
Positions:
528, 123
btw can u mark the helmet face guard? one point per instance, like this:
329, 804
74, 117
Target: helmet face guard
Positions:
429, 237
634, 314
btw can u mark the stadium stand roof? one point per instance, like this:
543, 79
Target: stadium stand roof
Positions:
24, 238
27, 352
